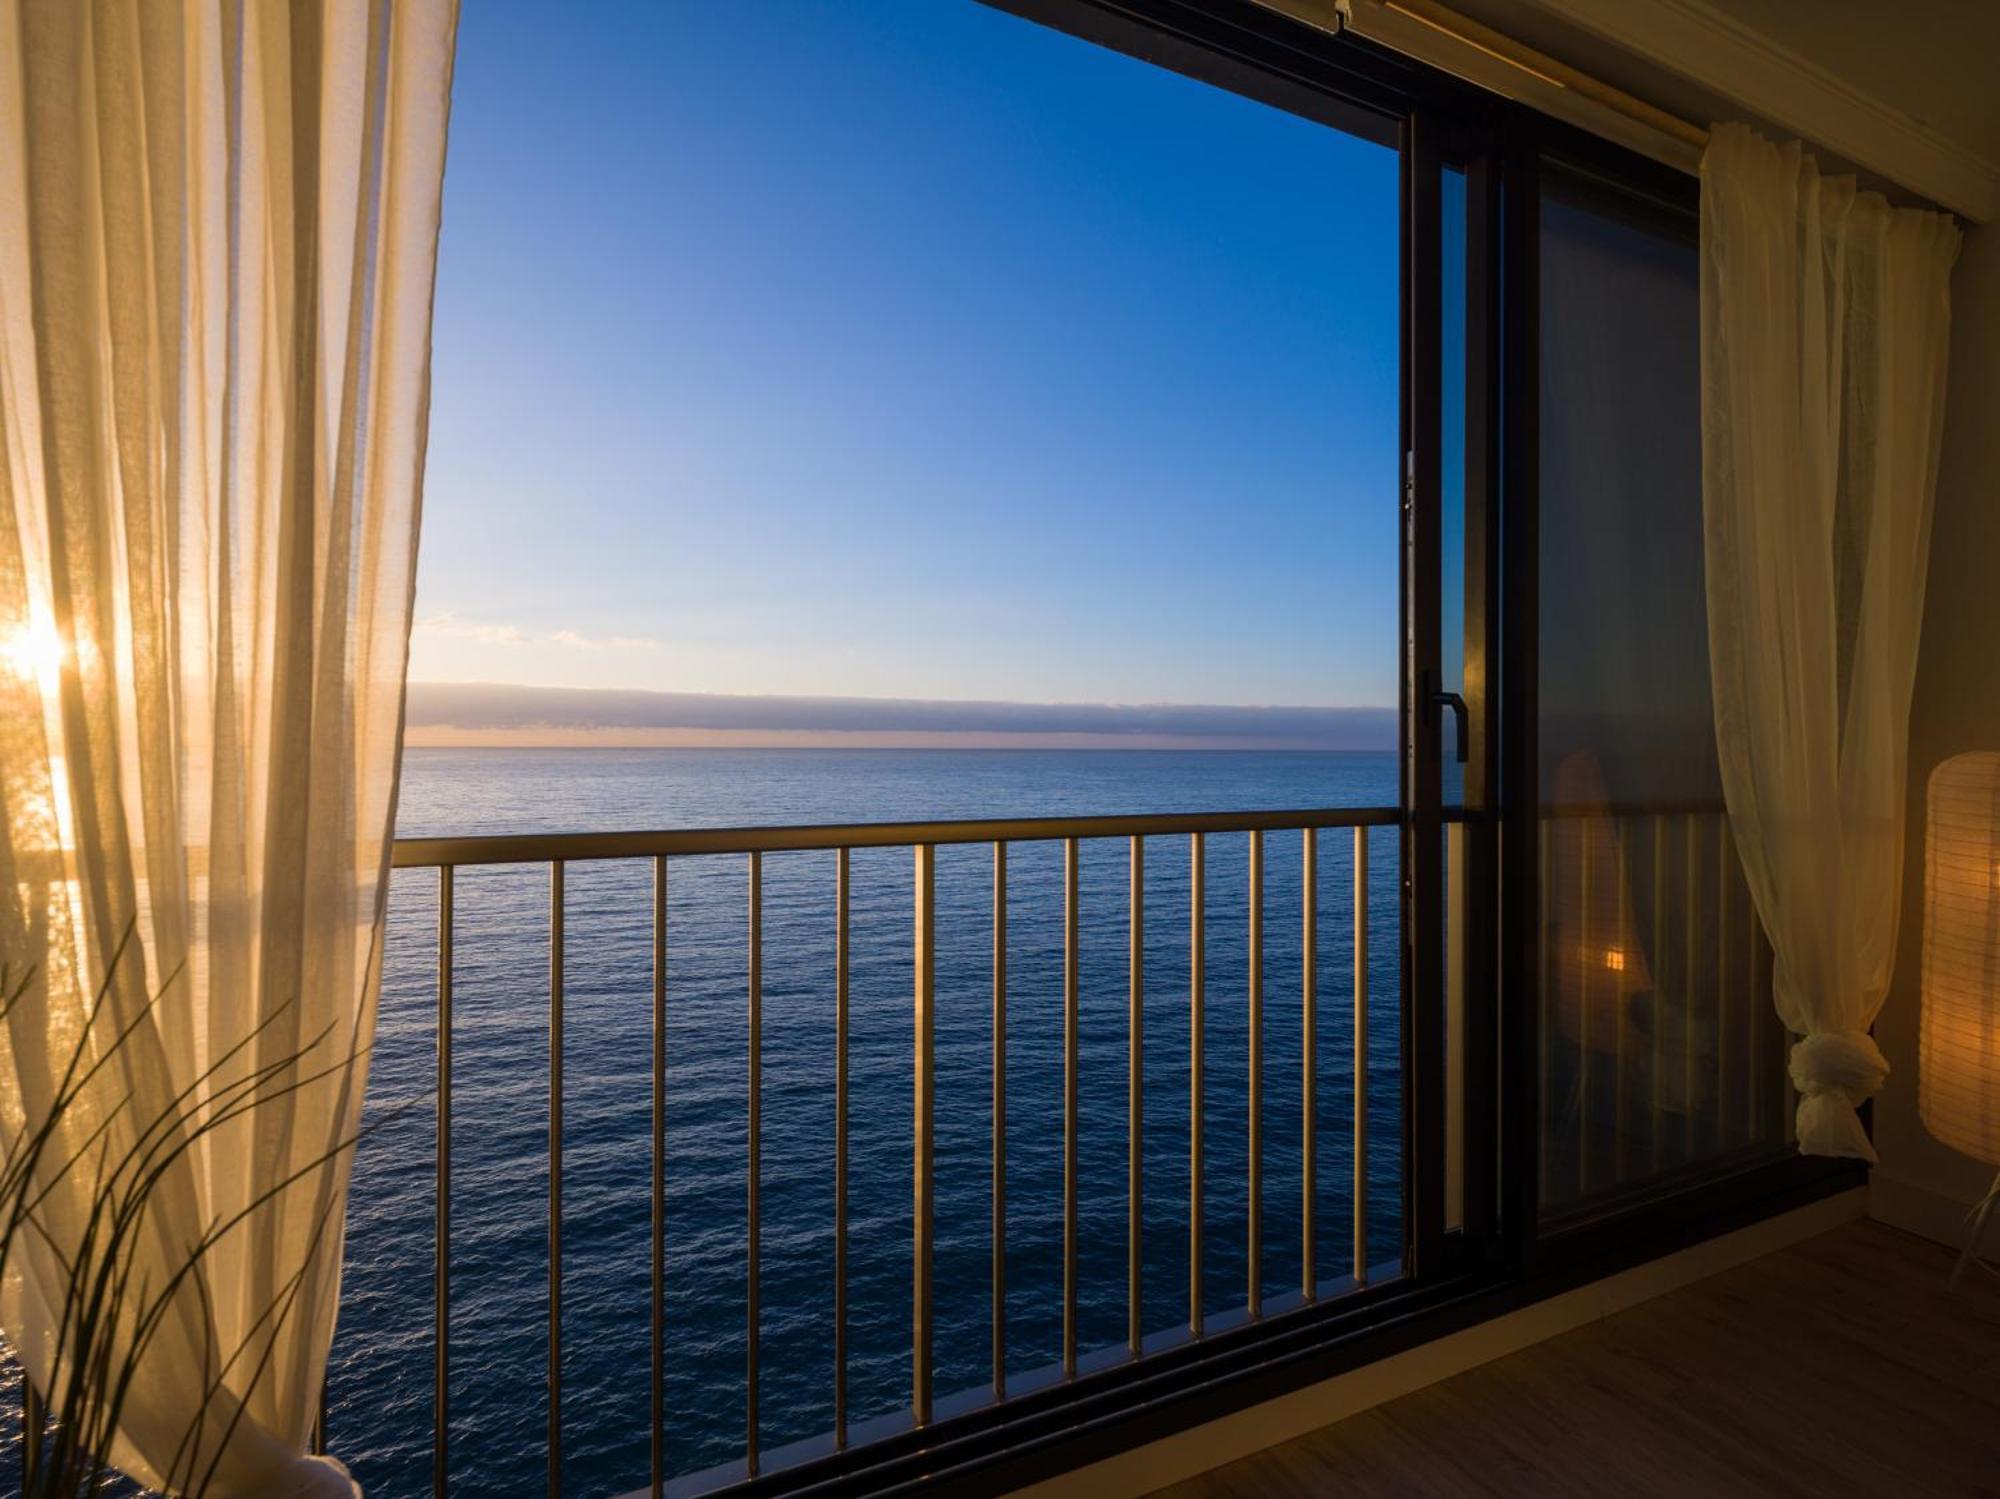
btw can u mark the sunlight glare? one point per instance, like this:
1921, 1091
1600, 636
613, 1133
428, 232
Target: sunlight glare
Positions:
36, 649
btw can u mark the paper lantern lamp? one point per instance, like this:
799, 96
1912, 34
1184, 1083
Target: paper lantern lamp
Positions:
1958, 1057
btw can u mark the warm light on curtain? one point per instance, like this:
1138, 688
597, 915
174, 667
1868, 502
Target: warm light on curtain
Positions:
1825, 315
218, 231
1958, 1058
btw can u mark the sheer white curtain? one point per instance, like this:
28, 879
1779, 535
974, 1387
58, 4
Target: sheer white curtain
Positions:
218, 231
1824, 316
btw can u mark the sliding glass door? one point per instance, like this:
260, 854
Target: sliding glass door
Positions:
1452, 507
1661, 1056
1595, 999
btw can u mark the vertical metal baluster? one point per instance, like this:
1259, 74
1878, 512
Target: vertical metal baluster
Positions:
1256, 1088
923, 1068
1586, 945
840, 962
1454, 909
1070, 1003
1360, 1055
441, 1391
1546, 1018
1135, 1082
1661, 875
1753, 1012
1197, 973
658, 1380
1725, 990
33, 1420
1626, 939
555, 1173
1788, 1108
999, 1121
754, 1167
1309, 1065
1689, 1043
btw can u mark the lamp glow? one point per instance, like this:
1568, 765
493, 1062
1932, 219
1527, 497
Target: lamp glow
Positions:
1958, 1057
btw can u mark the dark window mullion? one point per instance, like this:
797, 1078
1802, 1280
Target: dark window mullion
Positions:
1423, 1037
1517, 775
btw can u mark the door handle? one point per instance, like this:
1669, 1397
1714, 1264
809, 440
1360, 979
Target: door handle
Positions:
1439, 698
1459, 711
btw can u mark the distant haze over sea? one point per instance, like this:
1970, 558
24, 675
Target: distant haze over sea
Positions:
455, 714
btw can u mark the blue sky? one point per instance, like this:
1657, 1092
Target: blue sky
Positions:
901, 348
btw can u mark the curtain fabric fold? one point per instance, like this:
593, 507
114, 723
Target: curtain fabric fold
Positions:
218, 235
1825, 316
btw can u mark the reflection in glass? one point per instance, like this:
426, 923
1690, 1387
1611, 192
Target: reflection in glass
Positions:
1660, 1050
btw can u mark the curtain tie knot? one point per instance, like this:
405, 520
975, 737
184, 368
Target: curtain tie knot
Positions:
1845, 1062
1835, 1073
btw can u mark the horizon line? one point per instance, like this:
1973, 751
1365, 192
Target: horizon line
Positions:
432, 684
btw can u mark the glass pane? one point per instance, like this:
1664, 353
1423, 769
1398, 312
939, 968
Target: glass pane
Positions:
817, 362
1661, 1052
1452, 513
1453, 644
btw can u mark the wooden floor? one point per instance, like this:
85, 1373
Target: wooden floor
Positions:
1838, 1367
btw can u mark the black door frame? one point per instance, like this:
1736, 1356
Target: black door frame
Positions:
1425, 1106
1461, 143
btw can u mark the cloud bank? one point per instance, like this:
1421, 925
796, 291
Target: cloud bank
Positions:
470, 714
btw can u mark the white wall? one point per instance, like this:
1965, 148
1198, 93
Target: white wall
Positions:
1921, 1184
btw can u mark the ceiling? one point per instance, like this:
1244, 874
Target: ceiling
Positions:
1937, 61
1931, 63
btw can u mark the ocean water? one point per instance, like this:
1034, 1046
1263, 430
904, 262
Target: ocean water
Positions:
379, 1393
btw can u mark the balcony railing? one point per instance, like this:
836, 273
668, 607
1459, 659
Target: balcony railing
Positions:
1659, 1051
1660, 1046
751, 845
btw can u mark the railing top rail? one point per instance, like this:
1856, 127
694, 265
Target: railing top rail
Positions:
542, 848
